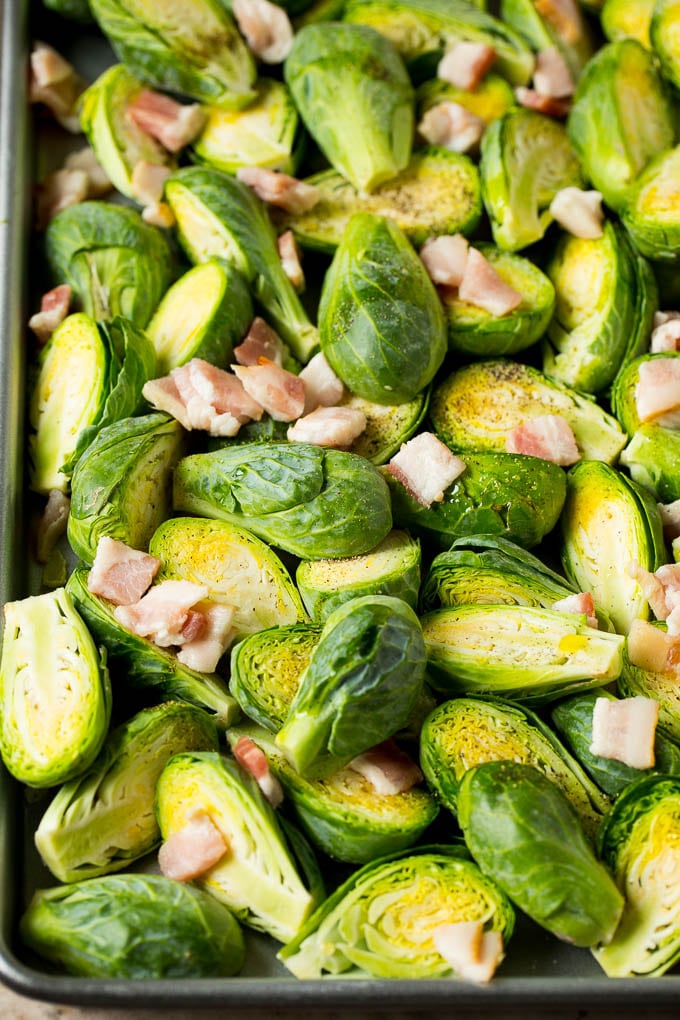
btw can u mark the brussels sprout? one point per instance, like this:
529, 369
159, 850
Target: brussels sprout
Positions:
380, 319
341, 75
310, 501
121, 484
265, 134
117, 927
238, 568
478, 405
475, 332
573, 718
567, 29
219, 216
623, 394
392, 568
622, 19
506, 494
652, 460
78, 10
661, 686
526, 160
662, 33
381, 921
607, 523
387, 425
257, 878
187, 46
525, 653
651, 213
115, 262
621, 118
639, 843
491, 99
104, 820
54, 691
360, 687
465, 732
437, 193
205, 314
524, 833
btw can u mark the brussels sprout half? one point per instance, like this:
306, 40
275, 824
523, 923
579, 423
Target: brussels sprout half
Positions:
545, 25
623, 395
623, 20
651, 457
387, 425
663, 33
662, 687
490, 99
651, 212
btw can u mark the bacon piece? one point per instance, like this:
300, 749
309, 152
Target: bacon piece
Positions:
661, 317
452, 126
280, 393
670, 519
119, 573
52, 524
322, 386
254, 760
204, 651
291, 259
665, 336
548, 436
552, 76
657, 394
625, 730
55, 83
172, 124
579, 212
85, 159
580, 603
54, 306
465, 64
387, 768
426, 468
147, 181
533, 100
266, 27
163, 394
445, 259
194, 849
653, 649
159, 214
161, 614
474, 954
483, 287
58, 191
261, 341
201, 396
661, 589
329, 426
279, 189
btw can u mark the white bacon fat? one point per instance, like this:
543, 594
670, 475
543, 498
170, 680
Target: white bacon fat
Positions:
657, 394
329, 426
322, 386
483, 287
579, 603
579, 212
169, 122
259, 342
426, 468
52, 524
665, 335
266, 27
291, 259
54, 307
165, 614
465, 64
387, 768
55, 83
474, 954
192, 850
445, 259
625, 730
204, 651
548, 436
279, 189
552, 76
653, 649
201, 396
280, 393
531, 99
119, 573
452, 126
254, 760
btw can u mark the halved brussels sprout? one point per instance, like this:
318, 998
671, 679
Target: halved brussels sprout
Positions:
491, 99
651, 213
526, 160
524, 653
609, 522
54, 691
382, 920
387, 425
104, 820
652, 460
524, 833
661, 686
341, 74
478, 405
205, 314
310, 501
380, 319
363, 680
437, 193
117, 927
465, 732
622, 19
545, 25
257, 877
623, 397
663, 32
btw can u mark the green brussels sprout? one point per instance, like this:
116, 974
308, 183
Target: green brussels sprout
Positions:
477, 333
524, 653
321, 10
257, 878
381, 921
623, 395
437, 193
651, 213
187, 46
55, 693
343, 814
78, 10
622, 19
465, 732
380, 320
607, 523
309, 501
478, 405
205, 314
491, 99
117, 927
341, 75
662, 34
220, 216
526, 160
144, 665
363, 680
651, 457
265, 134
387, 425
569, 31
115, 262
661, 686
502, 494
121, 483
525, 835
621, 118
639, 843
104, 820
392, 568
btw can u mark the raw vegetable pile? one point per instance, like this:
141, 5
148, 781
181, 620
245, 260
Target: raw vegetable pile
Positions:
422, 672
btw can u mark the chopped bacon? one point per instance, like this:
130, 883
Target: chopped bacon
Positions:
254, 760
661, 589
445, 259
657, 394
291, 259
281, 393
85, 159
474, 954
548, 436
466, 64
322, 386
483, 287
653, 649
552, 76
426, 468
58, 191
201, 396
204, 651
162, 613
564, 16
625, 730
147, 181
533, 100
261, 341
164, 396
169, 122
329, 426
55, 83
54, 307
192, 850
159, 214
661, 317
52, 524
266, 27
279, 189
665, 336
387, 768
452, 126
670, 519
579, 212
119, 573
193, 628
580, 603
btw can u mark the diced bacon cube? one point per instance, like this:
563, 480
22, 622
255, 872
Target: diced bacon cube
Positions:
322, 386
548, 436
192, 850
204, 651
161, 614
52, 524
253, 759
266, 27
579, 212
159, 214
329, 426
261, 341
483, 287
657, 394
58, 191
85, 159
281, 393
579, 603
452, 126
653, 649
148, 180
445, 259
279, 189
550, 106
474, 954
426, 468
291, 259
172, 124
661, 588
119, 573
163, 395
54, 83
387, 768
670, 519
465, 64
54, 307
625, 730
552, 76
665, 337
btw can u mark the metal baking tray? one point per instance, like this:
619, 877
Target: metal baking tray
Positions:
538, 969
